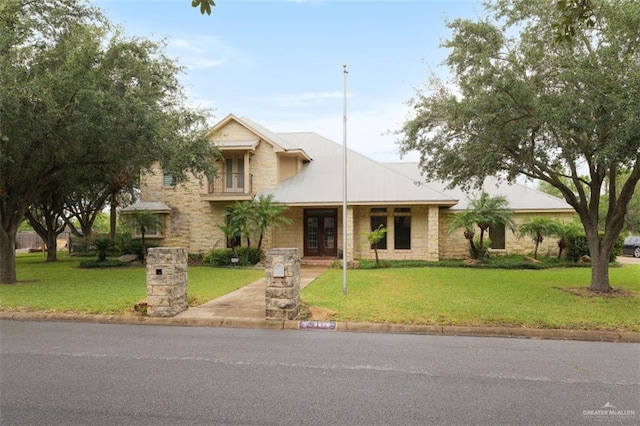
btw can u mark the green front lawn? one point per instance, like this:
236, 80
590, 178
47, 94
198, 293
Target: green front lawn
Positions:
64, 287
475, 296
434, 295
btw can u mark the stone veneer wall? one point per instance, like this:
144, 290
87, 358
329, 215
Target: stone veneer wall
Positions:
422, 246
290, 235
192, 222
166, 281
455, 246
282, 283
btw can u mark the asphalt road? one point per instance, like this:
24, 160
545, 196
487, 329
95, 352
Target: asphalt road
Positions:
91, 374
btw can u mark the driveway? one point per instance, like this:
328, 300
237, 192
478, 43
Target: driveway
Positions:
628, 260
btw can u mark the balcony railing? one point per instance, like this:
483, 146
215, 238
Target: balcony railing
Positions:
231, 183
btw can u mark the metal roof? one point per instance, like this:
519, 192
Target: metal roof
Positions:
236, 144
520, 197
369, 182
267, 134
148, 206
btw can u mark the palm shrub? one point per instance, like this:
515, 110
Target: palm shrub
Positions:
484, 212
146, 221
231, 234
538, 228
103, 245
466, 220
267, 213
491, 211
565, 232
374, 238
247, 219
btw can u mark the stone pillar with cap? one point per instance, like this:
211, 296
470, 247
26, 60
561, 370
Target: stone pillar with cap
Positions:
166, 281
282, 283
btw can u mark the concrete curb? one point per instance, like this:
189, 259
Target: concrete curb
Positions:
445, 330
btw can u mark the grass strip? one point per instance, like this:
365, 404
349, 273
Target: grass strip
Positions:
479, 297
64, 287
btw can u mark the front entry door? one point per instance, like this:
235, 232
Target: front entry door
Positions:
320, 232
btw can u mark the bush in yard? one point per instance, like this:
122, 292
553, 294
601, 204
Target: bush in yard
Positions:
578, 247
135, 247
222, 257
195, 258
481, 248
218, 257
250, 255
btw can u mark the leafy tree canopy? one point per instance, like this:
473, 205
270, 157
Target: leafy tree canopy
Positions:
521, 103
78, 98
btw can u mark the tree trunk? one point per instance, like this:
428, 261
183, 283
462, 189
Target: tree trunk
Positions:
600, 273
144, 246
113, 215
474, 250
561, 246
7, 257
599, 262
52, 246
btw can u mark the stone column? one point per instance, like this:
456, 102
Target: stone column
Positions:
433, 234
350, 236
166, 281
282, 283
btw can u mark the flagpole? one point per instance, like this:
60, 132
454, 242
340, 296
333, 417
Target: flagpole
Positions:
344, 181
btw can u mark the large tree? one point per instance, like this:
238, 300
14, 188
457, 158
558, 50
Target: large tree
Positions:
46, 218
78, 97
522, 103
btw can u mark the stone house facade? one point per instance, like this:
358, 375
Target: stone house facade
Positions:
304, 172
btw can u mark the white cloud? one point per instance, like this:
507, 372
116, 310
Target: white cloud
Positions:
200, 63
202, 52
185, 45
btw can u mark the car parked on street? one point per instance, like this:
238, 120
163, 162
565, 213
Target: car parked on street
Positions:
631, 246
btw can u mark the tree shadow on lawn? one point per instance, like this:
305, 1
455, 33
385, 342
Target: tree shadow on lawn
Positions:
21, 282
586, 293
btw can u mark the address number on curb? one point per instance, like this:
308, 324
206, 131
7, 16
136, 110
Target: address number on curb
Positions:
317, 325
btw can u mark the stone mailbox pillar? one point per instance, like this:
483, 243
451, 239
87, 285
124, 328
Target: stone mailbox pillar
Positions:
282, 283
166, 281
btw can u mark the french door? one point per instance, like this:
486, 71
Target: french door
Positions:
234, 174
320, 229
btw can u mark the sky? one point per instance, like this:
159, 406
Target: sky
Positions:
280, 62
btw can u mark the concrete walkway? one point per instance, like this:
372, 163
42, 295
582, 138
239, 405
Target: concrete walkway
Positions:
246, 302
